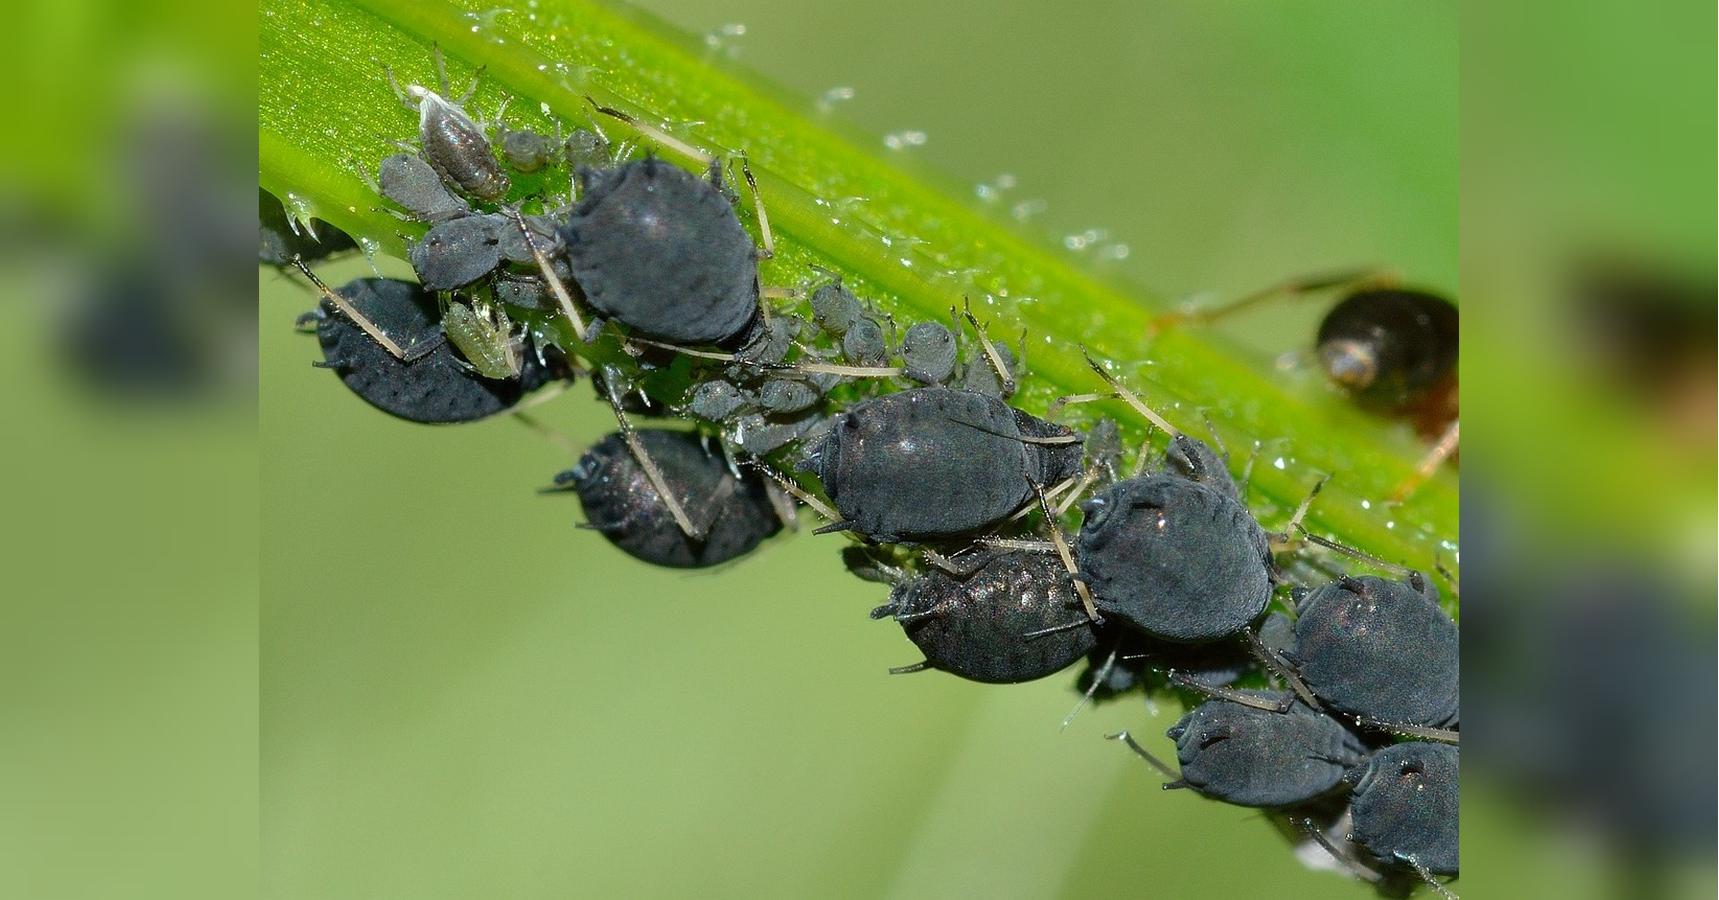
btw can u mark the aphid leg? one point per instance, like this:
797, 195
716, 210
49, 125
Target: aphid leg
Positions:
549, 434
1087, 480
1217, 439
950, 566
774, 292
1293, 287
1129, 396
555, 286
1004, 376
1053, 492
799, 493
1224, 693
655, 134
1017, 544
1092, 689
1353, 553
406, 99
920, 666
1343, 859
351, 312
1286, 535
653, 474
1441, 451
1281, 669
805, 367
1062, 551
1126, 738
1427, 876
1441, 735
769, 249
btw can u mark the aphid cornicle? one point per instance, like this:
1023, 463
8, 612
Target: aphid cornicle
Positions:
1405, 808
453, 144
999, 623
1260, 757
430, 385
1380, 649
662, 252
1175, 554
934, 463
733, 512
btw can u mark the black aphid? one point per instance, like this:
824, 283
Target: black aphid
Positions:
453, 144
1249, 756
1380, 649
410, 182
431, 384
456, 253
1175, 554
1405, 808
1388, 345
934, 463
733, 513
662, 252
1015, 617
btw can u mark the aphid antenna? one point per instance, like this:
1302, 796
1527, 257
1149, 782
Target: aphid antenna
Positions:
1004, 376
1441, 735
1092, 689
652, 474
549, 277
1057, 405
1062, 551
1037, 633
1129, 397
549, 434
1126, 738
799, 493
1299, 286
1441, 451
655, 134
1427, 876
1139, 467
1279, 668
1223, 693
802, 367
1051, 440
1354, 553
351, 312
1343, 859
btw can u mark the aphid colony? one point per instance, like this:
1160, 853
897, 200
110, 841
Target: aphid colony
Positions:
951, 495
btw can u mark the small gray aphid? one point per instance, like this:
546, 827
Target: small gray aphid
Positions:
1258, 757
1380, 649
928, 352
663, 253
585, 147
1405, 806
410, 182
1174, 555
863, 343
733, 512
529, 151
835, 308
456, 253
545, 237
993, 625
431, 386
933, 462
717, 400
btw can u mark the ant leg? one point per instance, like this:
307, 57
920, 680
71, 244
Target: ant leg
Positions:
1300, 286
1441, 451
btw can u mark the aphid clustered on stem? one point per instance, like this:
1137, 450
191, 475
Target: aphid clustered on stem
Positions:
952, 496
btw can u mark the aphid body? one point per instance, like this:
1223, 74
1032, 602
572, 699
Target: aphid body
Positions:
933, 463
1380, 649
1259, 757
994, 623
732, 512
1406, 806
484, 336
456, 253
1175, 554
408, 181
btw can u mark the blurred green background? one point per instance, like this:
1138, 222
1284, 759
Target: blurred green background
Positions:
462, 695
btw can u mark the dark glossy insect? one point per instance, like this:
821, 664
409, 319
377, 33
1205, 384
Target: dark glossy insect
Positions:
732, 512
934, 463
1389, 346
662, 252
1250, 756
453, 144
1379, 649
456, 253
428, 383
1013, 616
1175, 554
282, 240
409, 182
1405, 808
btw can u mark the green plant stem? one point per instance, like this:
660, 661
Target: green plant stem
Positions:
327, 116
